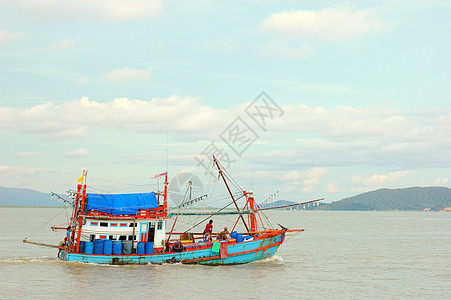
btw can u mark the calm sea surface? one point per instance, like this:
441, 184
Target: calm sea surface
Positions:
341, 255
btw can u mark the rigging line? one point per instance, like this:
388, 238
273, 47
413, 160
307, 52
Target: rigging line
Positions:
209, 216
118, 182
180, 208
230, 177
209, 195
67, 216
46, 223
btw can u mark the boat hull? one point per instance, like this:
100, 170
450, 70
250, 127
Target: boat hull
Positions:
236, 253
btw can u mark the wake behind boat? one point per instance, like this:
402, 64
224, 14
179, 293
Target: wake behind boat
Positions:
122, 229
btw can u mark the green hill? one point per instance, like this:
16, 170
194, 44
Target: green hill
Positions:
414, 198
25, 197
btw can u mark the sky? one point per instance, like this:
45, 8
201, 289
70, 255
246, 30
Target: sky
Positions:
304, 99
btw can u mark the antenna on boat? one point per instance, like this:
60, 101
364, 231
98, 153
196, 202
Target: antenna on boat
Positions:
167, 147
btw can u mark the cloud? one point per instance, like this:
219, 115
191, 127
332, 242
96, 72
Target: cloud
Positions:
82, 80
77, 153
328, 24
282, 51
313, 176
26, 154
127, 74
11, 172
8, 36
379, 179
305, 137
77, 118
332, 188
64, 44
440, 181
66, 11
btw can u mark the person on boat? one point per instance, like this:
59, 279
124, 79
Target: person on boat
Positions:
208, 231
68, 235
224, 235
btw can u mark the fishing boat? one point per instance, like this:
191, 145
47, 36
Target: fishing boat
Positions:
122, 229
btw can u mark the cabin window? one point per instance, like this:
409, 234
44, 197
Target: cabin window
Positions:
113, 224
131, 225
104, 224
93, 237
122, 238
94, 223
160, 225
123, 224
152, 225
110, 237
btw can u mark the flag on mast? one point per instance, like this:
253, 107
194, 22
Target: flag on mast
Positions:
162, 174
81, 178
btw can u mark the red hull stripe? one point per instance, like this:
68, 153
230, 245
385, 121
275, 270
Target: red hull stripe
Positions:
232, 254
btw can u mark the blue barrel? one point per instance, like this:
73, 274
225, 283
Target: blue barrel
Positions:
89, 247
107, 247
233, 234
149, 248
239, 238
82, 247
140, 249
117, 247
126, 247
98, 246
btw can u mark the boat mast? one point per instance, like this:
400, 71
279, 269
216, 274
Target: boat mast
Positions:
252, 207
81, 211
165, 204
231, 195
74, 217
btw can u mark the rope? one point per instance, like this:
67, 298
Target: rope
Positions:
45, 223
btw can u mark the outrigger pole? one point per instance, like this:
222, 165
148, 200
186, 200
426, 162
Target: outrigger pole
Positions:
231, 195
245, 212
40, 244
284, 206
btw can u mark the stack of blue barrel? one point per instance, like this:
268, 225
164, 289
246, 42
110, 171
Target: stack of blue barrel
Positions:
110, 247
145, 248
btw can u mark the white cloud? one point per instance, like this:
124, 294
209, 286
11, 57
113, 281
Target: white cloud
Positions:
25, 154
328, 24
313, 176
74, 119
11, 172
440, 181
61, 45
113, 10
379, 179
127, 74
306, 136
8, 36
82, 80
332, 188
281, 51
77, 153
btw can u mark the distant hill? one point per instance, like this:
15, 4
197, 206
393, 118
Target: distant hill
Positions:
414, 198
25, 197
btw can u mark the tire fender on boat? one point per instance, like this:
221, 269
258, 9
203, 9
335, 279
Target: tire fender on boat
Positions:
177, 247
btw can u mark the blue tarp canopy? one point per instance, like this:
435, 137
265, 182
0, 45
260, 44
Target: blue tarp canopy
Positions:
121, 204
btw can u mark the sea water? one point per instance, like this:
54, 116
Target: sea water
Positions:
340, 255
